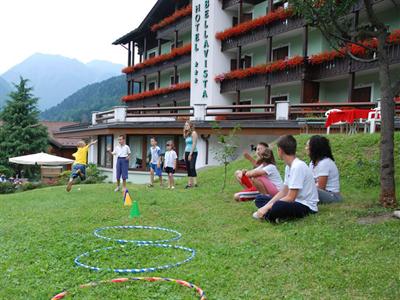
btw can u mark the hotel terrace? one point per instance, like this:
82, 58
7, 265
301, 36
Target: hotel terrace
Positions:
248, 62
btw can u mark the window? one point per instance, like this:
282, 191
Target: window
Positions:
105, 159
284, 4
152, 86
135, 142
151, 55
245, 102
362, 94
280, 53
245, 62
247, 17
173, 79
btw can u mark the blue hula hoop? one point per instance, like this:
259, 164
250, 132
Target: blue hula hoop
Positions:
122, 241
142, 270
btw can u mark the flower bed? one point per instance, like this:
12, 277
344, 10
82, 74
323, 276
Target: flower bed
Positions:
179, 14
157, 92
275, 66
279, 14
159, 59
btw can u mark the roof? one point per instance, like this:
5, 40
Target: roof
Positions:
53, 127
160, 10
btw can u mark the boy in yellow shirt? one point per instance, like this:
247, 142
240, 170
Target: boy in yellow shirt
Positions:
79, 165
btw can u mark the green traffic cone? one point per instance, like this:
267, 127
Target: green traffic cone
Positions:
134, 210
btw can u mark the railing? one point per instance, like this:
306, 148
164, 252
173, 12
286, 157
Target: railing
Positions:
335, 67
240, 111
263, 32
289, 75
156, 111
182, 25
319, 109
105, 115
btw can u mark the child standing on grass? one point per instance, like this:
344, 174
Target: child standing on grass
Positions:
79, 166
155, 162
170, 163
265, 179
123, 153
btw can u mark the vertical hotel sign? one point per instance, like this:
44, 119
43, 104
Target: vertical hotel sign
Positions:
201, 50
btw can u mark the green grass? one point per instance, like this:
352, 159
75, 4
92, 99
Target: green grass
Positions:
328, 255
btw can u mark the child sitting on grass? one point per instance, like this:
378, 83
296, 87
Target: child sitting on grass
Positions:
79, 165
265, 179
170, 163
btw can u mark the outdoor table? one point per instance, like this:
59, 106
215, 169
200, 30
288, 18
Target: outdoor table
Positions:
347, 116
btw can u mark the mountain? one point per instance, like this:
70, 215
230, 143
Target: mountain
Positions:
94, 97
55, 77
5, 89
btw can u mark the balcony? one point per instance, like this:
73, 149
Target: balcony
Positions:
182, 25
289, 75
262, 32
230, 3
165, 65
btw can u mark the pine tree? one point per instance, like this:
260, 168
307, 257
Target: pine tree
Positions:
21, 132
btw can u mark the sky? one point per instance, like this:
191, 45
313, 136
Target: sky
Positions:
80, 29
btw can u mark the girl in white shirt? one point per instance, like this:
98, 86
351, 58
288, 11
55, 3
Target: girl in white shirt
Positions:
325, 171
265, 179
170, 163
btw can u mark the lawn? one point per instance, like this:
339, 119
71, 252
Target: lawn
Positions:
330, 255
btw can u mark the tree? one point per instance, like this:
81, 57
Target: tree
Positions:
227, 150
338, 22
21, 132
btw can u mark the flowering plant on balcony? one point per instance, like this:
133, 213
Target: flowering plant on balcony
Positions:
279, 14
157, 92
180, 13
279, 65
159, 59
359, 49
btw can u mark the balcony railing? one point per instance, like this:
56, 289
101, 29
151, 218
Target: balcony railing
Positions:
289, 75
229, 3
263, 32
319, 109
336, 67
177, 61
241, 111
182, 25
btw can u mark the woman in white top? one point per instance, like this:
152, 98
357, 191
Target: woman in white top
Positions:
325, 172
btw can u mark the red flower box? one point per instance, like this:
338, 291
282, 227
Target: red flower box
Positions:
159, 59
275, 66
157, 92
180, 13
279, 14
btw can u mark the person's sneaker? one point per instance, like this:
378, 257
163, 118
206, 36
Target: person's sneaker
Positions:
188, 186
116, 189
149, 185
172, 187
255, 216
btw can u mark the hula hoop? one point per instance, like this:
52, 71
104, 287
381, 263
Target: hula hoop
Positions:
198, 290
143, 270
98, 230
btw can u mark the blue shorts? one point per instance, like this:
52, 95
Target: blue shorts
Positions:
122, 168
157, 171
74, 171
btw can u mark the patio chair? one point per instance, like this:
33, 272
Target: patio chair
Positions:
374, 118
337, 123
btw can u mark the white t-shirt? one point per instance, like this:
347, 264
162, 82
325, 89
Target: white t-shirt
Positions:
155, 154
272, 174
122, 151
299, 176
327, 167
170, 158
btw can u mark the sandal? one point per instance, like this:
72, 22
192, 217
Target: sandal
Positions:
188, 186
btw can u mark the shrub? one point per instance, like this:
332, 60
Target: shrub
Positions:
93, 175
6, 188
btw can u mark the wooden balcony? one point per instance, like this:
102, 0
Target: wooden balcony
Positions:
179, 95
230, 3
177, 61
182, 25
239, 112
263, 32
290, 75
394, 56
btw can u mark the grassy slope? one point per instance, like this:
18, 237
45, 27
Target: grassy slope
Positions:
328, 255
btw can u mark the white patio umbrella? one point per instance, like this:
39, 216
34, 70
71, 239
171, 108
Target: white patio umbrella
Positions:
40, 159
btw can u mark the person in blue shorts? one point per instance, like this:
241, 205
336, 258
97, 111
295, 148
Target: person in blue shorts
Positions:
122, 152
155, 162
